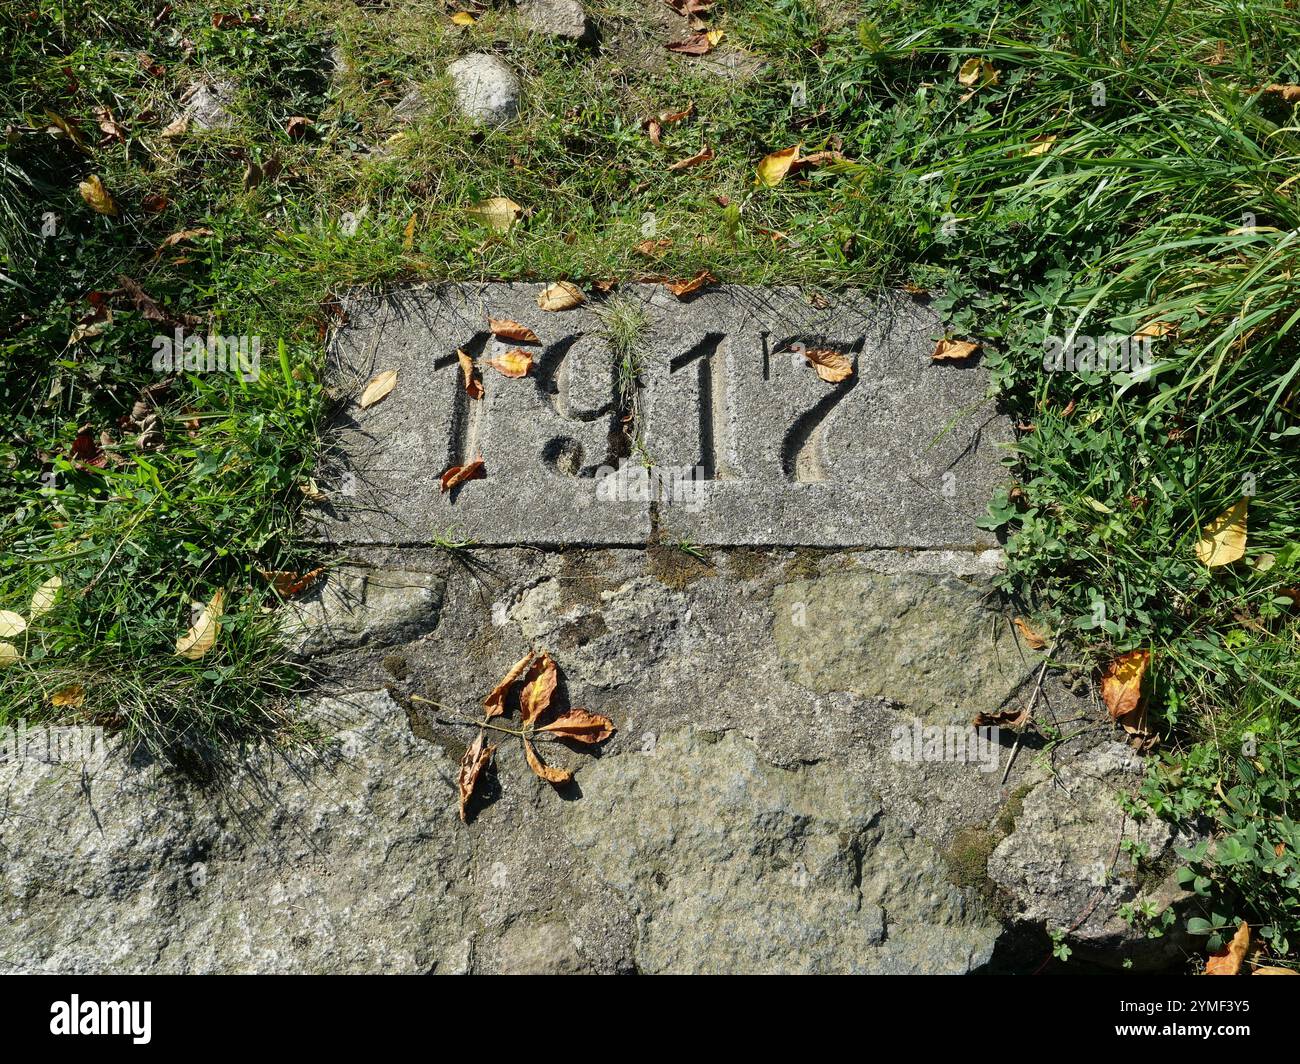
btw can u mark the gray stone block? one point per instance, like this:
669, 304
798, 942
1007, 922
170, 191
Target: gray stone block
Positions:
732, 438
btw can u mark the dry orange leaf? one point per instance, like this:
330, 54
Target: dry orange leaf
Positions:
505, 329
953, 351
682, 289
831, 365
477, 757
1228, 960
1274, 971
581, 726
1035, 641
701, 156
458, 475
287, 584
1121, 684
549, 773
495, 703
473, 384
562, 295
514, 363
539, 685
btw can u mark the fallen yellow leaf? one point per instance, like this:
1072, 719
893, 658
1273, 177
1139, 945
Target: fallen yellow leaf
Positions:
94, 193
976, 71
71, 697
43, 597
1223, 540
11, 624
774, 167
378, 387
498, 213
8, 654
462, 18
562, 295
514, 363
203, 633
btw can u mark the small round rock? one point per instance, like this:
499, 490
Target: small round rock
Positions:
487, 90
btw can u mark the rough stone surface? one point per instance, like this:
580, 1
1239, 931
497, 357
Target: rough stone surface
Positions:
750, 814
207, 103
745, 444
1065, 867
487, 90
556, 18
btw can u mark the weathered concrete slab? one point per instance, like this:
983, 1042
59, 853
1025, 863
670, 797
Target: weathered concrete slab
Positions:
728, 437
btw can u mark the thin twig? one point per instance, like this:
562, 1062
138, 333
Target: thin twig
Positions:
1029, 713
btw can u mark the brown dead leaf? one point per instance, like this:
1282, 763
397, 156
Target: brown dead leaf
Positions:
696, 43
1003, 718
562, 295
581, 726
953, 350
831, 365
473, 383
1035, 641
297, 125
548, 772
176, 238
86, 449
514, 363
505, 329
495, 703
477, 757
109, 126
177, 127
1266, 970
682, 289
1121, 684
144, 303
653, 249
539, 685
817, 158
455, 476
287, 583
1227, 961
701, 156
687, 8
1289, 93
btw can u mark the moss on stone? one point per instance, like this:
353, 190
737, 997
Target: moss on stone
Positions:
676, 568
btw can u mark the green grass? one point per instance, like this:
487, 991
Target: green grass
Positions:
1165, 150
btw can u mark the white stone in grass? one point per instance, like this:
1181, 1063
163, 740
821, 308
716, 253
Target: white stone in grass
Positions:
557, 18
487, 90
